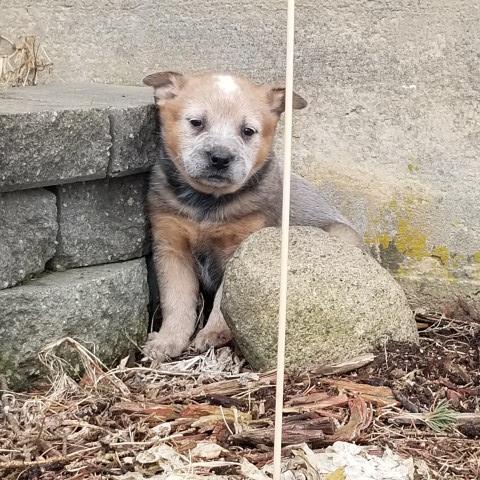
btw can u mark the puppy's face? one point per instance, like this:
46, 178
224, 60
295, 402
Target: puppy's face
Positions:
218, 129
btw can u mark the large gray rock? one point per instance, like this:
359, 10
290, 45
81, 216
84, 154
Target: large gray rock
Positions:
100, 222
62, 134
28, 231
341, 302
104, 306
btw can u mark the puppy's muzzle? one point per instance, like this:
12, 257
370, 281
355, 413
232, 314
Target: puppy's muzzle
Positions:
219, 159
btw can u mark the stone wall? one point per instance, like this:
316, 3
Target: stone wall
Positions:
391, 133
73, 178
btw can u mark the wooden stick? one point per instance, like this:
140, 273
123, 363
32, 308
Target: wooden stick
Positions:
345, 367
282, 312
311, 431
22, 464
421, 419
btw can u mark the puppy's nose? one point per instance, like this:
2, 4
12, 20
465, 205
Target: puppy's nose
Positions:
220, 159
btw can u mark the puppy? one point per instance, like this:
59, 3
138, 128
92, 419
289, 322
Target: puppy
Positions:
216, 183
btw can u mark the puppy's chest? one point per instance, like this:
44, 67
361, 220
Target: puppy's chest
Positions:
208, 244
222, 239
214, 244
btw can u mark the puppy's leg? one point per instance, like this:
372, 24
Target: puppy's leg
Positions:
178, 286
216, 333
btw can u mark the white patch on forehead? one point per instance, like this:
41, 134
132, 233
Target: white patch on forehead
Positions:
226, 83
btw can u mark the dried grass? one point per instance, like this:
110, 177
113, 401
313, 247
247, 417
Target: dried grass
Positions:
209, 416
22, 61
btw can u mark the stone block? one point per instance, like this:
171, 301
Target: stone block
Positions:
53, 135
28, 232
51, 147
105, 307
136, 139
100, 222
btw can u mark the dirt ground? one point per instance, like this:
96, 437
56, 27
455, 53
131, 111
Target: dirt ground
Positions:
209, 416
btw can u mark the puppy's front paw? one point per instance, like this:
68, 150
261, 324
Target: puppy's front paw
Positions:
160, 347
211, 337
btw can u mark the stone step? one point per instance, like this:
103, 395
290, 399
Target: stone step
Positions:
103, 306
54, 134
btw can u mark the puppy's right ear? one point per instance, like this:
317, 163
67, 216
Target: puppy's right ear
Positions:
165, 84
276, 97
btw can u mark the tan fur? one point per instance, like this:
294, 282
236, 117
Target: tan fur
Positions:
179, 287
179, 236
201, 89
216, 332
175, 237
269, 124
194, 219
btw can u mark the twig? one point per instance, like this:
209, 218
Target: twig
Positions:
345, 367
459, 419
22, 464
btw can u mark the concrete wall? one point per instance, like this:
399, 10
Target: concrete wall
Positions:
392, 133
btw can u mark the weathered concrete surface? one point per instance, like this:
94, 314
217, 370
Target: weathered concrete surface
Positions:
341, 302
43, 148
61, 134
136, 139
104, 306
100, 222
28, 231
392, 129
452, 296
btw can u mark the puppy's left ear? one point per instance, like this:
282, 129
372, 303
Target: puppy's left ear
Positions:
276, 97
166, 85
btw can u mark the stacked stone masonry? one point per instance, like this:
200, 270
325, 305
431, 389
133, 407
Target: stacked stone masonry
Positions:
74, 164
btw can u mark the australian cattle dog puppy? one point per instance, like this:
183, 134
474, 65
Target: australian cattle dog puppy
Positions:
216, 183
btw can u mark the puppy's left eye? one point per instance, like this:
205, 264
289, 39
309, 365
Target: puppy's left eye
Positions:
196, 123
248, 132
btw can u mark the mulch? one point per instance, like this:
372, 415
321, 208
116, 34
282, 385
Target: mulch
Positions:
210, 416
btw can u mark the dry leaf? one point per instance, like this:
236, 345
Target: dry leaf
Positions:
251, 472
207, 451
338, 474
160, 454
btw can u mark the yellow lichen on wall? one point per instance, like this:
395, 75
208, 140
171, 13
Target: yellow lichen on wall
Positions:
410, 241
399, 231
383, 239
412, 168
476, 265
442, 254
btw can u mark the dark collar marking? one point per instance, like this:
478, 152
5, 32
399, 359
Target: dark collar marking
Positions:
206, 203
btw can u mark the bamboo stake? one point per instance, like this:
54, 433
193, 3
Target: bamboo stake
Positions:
282, 314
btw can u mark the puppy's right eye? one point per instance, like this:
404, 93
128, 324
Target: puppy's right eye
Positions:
195, 122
